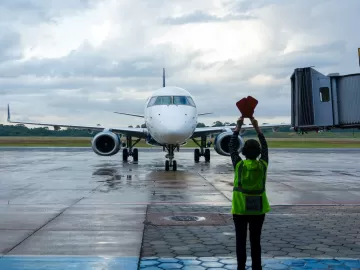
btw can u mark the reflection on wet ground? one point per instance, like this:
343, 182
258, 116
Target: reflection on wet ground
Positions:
71, 202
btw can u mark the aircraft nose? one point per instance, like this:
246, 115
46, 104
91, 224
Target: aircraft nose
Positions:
175, 132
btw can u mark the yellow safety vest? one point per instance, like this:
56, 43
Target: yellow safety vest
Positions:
249, 195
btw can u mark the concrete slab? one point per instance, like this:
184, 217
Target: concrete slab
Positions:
85, 243
10, 238
97, 222
63, 208
27, 217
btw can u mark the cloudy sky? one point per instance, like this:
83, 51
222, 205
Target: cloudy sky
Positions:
77, 61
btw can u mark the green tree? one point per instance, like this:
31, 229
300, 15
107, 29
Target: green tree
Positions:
217, 124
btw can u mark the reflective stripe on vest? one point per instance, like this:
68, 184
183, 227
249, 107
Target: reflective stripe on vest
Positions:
239, 188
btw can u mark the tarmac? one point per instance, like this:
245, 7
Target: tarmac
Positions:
67, 208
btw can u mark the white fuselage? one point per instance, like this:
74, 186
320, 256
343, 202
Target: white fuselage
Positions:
171, 115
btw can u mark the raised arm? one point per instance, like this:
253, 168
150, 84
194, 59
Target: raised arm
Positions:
234, 144
264, 147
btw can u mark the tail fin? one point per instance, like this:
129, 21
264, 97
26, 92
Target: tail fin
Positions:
8, 113
163, 77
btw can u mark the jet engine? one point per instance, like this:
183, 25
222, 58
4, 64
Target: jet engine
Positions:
221, 143
106, 143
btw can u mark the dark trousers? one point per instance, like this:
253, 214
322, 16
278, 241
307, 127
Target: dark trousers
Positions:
255, 226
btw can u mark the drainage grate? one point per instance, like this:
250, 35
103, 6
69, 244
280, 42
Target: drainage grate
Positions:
185, 218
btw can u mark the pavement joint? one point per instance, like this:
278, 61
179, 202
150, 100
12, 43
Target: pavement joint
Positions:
42, 226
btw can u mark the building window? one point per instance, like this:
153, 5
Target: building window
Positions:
324, 94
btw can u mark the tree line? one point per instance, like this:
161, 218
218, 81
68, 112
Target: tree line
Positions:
22, 130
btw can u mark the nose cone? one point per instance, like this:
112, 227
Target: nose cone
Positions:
173, 124
175, 132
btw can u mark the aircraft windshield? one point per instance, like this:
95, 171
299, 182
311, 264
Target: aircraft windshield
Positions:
171, 100
163, 100
181, 100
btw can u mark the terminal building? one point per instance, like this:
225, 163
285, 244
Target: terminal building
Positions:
320, 102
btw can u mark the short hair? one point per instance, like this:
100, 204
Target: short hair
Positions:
251, 149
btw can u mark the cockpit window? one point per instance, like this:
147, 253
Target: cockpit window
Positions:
184, 100
171, 100
191, 101
152, 101
181, 100
163, 100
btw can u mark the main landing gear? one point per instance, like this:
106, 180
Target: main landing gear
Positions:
201, 152
129, 151
170, 162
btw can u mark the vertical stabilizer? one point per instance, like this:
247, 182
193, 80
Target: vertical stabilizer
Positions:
163, 77
8, 113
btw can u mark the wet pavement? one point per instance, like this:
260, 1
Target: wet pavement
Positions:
69, 208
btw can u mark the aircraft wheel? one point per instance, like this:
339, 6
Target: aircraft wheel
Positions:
135, 154
167, 165
207, 155
196, 155
174, 165
125, 154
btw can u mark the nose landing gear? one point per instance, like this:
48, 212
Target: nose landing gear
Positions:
170, 162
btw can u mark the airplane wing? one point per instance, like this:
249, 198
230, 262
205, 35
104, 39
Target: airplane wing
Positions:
210, 130
131, 114
135, 132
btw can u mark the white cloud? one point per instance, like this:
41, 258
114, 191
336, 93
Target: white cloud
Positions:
79, 61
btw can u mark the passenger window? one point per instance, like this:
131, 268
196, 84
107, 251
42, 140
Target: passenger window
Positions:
324, 94
163, 100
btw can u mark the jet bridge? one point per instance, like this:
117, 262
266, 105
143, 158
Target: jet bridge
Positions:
320, 102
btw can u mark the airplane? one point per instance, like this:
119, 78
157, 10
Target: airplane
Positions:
171, 118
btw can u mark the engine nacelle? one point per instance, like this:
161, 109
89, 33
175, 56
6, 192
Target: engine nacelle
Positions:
221, 143
106, 143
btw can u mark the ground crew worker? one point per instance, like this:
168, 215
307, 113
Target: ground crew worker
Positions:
249, 200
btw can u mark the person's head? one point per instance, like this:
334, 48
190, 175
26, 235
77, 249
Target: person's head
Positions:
251, 149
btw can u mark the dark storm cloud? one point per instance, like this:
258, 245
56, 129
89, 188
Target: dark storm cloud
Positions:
90, 62
96, 79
